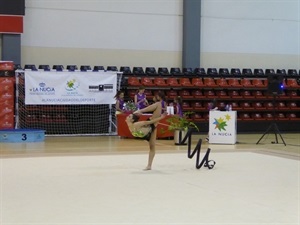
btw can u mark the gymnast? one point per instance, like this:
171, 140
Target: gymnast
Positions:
146, 129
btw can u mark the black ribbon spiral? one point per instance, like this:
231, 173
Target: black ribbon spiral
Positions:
205, 161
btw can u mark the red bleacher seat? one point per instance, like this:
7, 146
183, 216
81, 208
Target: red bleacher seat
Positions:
197, 106
185, 94
133, 81
209, 82
222, 82
172, 81
234, 82
247, 83
198, 82
160, 82
197, 94
185, 82
172, 94
147, 81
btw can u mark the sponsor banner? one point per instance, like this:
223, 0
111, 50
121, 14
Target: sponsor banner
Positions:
70, 88
222, 127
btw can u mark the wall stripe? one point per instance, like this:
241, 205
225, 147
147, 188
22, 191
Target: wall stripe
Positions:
11, 24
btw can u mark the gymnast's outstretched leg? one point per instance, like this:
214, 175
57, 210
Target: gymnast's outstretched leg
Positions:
151, 108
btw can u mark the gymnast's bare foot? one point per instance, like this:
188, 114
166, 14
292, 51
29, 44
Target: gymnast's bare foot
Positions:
147, 168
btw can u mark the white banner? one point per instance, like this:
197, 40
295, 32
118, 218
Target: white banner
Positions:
70, 88
222, 127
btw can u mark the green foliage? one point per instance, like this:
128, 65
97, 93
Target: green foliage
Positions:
130, 107
181, 123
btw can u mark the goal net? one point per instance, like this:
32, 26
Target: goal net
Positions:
67, 103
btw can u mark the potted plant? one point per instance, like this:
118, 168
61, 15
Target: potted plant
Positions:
180, 126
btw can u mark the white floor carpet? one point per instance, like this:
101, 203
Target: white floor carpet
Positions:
243, 188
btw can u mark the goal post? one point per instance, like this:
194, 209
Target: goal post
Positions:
67, 103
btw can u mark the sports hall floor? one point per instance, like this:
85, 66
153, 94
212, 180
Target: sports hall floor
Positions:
91, 180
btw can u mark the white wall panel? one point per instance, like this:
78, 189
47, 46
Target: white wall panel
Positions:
135, 25
257, 26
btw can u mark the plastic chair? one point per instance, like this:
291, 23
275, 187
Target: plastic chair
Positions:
199, 71
98, 68
138, 71
209, 94
185, 82
234, 94
185, 94
150, 71
234, 82
292, 94
197, 117
17, 67
268, 116
257, 116
146, 81
173, 82
44, 67
175, 71
187, 71
292, 72
172, 94
258, 94
186, 106
292, 83
133, 81
246, 83
222, 82
163, 71
209, 82
281, 116
125, 69
259, 72
148, 93
245, 116
292, 116
85, 68
246, 105
222, 94
112, 68
269, 72
160, 82
212, 72
197, 82
58, 67
292, 105
131, 93
224, 72
258, 105
72, 67
246, 94
269, 105
30, 67
221, 105
281, 72
197, 106
281, 105
235, 106
258, 83
197, 94
247, 72
235, 72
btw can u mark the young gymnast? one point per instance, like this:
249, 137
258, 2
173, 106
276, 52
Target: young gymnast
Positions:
146, 129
